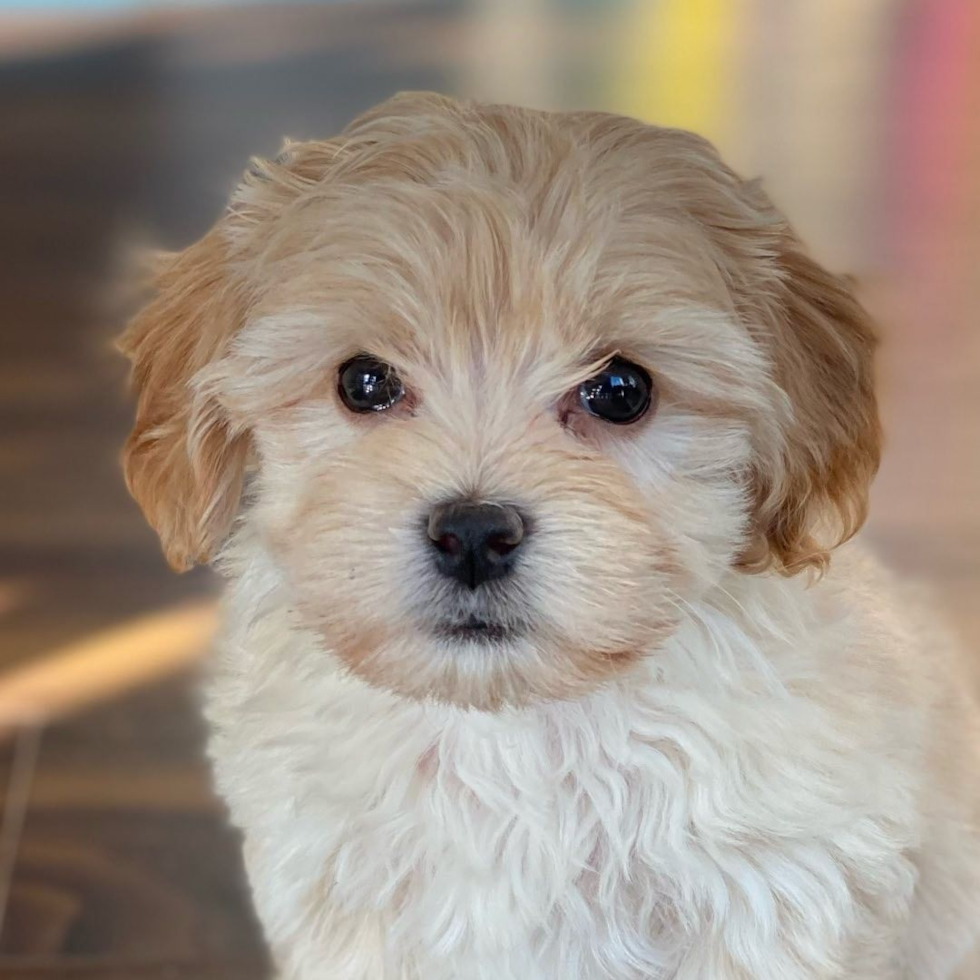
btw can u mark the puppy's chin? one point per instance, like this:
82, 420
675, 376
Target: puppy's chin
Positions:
487, 667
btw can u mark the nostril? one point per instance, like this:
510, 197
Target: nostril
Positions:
503, 544
448, 544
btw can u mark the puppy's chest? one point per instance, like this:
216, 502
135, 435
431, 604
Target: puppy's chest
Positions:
563, 842
515, 847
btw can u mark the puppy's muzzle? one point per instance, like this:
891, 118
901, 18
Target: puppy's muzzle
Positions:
475, 543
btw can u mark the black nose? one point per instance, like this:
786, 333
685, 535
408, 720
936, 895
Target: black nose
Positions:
475, 542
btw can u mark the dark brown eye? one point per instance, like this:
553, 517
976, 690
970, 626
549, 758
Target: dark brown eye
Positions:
621, 392
369, 385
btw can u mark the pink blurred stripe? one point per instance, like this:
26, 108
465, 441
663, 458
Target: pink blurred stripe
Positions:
933, 103
934, 117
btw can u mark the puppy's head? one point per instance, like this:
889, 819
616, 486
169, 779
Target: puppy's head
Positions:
511, 389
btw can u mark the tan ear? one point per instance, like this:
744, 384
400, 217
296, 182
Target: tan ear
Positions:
812, 494
818, 447
183, 462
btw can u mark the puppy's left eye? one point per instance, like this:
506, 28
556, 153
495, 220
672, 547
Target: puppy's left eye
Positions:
369, 385
622, 392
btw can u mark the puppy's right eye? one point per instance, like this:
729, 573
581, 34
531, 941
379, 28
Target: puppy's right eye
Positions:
369, 385
621, 393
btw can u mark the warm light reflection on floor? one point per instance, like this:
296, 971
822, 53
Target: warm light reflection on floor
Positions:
105, 665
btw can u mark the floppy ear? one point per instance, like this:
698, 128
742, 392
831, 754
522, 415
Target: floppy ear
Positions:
183, 462
817, 447
811, 494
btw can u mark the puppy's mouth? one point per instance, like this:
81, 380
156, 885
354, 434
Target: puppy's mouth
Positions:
477, 630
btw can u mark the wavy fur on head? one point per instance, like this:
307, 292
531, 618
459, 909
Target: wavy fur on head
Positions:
679, 758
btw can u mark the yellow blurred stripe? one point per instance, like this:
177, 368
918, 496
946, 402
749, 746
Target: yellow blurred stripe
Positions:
106, 664
676, 59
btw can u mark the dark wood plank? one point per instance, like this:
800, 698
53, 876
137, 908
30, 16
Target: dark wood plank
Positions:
125, 851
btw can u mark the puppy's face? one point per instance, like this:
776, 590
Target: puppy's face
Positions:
512, 390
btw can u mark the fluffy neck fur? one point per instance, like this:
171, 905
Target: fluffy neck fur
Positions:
466, 842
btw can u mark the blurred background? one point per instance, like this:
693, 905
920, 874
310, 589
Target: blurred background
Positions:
127, 119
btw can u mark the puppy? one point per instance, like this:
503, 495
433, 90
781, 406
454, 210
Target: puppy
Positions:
524, 441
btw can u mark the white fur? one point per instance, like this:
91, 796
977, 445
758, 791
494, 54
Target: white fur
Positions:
757, 799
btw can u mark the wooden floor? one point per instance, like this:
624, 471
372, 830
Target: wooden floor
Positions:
116, 861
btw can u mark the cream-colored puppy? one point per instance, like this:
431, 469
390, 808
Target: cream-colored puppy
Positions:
523, 440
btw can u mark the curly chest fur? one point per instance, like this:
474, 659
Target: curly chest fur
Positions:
639, 833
